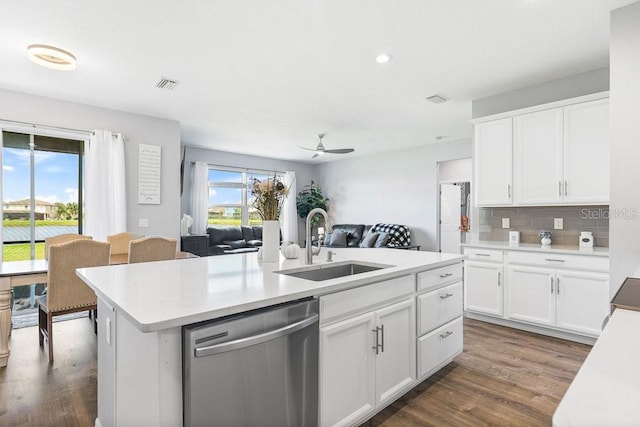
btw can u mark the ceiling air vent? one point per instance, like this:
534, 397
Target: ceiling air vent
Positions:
437, 99
165, 83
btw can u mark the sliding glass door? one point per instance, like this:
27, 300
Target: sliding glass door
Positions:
41, 197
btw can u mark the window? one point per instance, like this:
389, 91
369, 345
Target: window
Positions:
230, 200
41, 197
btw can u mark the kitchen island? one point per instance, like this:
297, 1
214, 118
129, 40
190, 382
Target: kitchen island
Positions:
144, 306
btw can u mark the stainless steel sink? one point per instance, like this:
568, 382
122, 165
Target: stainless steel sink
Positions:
322, 272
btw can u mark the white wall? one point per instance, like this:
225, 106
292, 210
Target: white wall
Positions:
397, 187
624, 222
304, 172
555, 90
164, 219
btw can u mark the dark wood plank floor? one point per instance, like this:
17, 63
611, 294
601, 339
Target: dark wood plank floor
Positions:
504, 377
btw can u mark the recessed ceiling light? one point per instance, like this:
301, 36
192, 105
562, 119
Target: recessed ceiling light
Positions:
383, 58
51, 57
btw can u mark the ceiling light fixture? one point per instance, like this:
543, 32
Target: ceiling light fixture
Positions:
51, 57
383, 58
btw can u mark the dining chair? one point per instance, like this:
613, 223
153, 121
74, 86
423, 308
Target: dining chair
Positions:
62, 238
66, 292
152, 248
120, 242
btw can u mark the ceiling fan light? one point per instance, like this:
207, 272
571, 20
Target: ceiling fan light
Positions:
51, 57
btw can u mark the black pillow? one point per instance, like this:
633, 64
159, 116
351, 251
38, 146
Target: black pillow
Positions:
236, 244
369, 240
339, 239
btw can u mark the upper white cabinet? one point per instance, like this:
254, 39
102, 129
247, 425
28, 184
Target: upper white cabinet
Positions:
554, 154
492, 159
537, 157
586, 152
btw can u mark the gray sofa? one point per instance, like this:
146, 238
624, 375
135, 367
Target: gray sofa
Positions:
368, 236
233, 239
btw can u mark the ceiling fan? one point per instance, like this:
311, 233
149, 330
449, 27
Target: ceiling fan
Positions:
321, 150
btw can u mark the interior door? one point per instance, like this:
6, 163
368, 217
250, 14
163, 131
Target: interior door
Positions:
450, 197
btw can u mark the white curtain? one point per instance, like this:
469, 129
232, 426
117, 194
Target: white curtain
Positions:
289, 211
200, 198
105, 196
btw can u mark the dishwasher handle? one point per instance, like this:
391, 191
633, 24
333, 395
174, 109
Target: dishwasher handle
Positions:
255, 339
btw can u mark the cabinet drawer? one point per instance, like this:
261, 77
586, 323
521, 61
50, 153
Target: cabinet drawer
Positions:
438, 307
479, 254
438, 346
438, 277
554, 260
364, 298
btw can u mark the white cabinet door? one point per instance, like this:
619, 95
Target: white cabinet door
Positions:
537, 157
396, 357
531, 294
582, 301
347, 387
586, 152
492, 162
483, 285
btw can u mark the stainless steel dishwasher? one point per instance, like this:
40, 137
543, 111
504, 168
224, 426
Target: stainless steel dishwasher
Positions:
259, 368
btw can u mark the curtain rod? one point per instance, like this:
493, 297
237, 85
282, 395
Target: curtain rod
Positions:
34, 125
241, 169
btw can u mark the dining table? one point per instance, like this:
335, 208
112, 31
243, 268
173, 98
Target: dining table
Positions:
19, 273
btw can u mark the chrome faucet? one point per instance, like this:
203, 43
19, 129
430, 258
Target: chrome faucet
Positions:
308, 246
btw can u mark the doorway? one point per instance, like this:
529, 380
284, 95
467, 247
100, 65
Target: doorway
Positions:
455, 212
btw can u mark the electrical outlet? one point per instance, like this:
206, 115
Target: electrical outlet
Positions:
143, 222
558, 223
506, 223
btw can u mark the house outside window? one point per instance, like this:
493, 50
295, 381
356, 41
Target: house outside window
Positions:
230, 200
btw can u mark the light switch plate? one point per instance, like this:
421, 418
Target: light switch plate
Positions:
506, 223
558, 223
143, 222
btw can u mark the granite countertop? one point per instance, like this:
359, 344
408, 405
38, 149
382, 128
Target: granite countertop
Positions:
167, 294
535, 247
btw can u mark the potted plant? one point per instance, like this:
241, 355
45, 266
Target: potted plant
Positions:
309, 198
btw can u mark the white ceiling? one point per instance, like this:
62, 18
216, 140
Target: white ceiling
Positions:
262, 77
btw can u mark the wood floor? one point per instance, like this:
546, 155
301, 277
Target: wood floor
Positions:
504, 377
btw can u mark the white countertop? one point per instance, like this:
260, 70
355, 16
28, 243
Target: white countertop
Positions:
606, 391
535, 247
166, 294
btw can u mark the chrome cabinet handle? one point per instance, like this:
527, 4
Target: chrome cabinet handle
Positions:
482, 254
559, 188
445, 296
379, 347
375, 347
499, 277
566, 192
446, 334
509, 191
553, 260
444, 276
551, 278
558, 285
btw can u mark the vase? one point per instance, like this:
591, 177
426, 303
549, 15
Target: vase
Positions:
545, 241
270, 241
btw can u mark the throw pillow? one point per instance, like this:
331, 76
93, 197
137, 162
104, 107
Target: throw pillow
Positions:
369, 240
381, 241
339, 239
